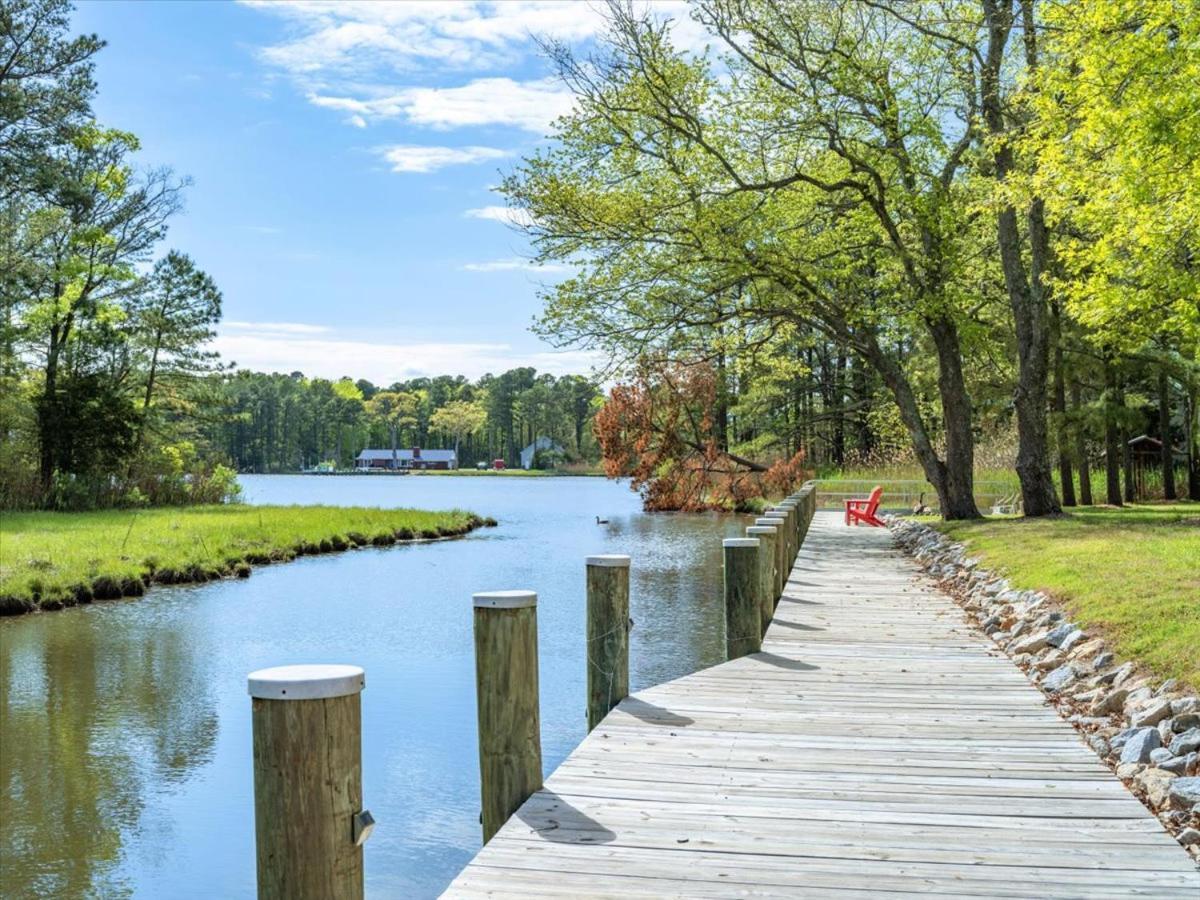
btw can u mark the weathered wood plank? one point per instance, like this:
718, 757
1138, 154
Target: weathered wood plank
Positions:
876, 744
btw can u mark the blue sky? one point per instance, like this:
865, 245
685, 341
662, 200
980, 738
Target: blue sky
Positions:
342, 155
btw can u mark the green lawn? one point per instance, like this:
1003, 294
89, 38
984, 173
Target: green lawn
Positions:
49, 559
1132, 574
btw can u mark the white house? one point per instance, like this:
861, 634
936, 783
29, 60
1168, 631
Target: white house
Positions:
542, 443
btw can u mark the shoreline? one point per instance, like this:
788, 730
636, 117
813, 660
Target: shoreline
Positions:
30, 584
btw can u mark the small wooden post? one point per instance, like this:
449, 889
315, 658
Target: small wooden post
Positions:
766, 570
607, 634
308, 817
779, 523
792, 507
743, 619
506, 689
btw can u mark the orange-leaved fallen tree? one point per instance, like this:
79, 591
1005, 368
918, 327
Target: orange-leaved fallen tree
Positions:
660, 429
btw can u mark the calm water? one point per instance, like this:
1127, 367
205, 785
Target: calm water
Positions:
126, 726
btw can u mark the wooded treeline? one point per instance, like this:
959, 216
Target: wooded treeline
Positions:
946, 219
284, 423
102, 339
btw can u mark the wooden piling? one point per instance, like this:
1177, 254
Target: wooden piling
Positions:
766, 570
308, 815
506, 688
779, 523
607, 634
743, 619
792, 510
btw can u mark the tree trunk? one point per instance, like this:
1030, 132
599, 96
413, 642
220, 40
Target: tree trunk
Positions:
1164, 434
956, 418
1065, 476
1026, 294
1191, 434
1081, 450
1112, 440
839, 400
1126, 453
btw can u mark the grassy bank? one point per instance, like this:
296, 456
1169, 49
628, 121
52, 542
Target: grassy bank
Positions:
49, 560
1131, 574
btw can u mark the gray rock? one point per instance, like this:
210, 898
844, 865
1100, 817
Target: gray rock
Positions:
1185, 721
1162, 754
1072, 639
1099, 745
1152, 714
1059, 678
1189, 836
1165, 731
1137, 748
1112, 701
1123, 674
1185, 743
1185, 792
1166, 687
1179, 765
1118, 740
1185, 705
1059, 634
1031, 644
1126, 771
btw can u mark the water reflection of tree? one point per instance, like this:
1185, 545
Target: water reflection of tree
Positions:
678, 600
94, 717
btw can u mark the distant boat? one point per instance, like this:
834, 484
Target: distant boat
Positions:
600, 521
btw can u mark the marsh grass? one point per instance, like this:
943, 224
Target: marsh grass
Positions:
49, 560
1132, 574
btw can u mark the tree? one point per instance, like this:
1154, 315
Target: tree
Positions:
395, 410
460, 419
171, 319
657, 430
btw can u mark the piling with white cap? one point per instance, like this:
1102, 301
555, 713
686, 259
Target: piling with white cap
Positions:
743, 616
608, 625
766, 570
788, 512
309, 822
506, 689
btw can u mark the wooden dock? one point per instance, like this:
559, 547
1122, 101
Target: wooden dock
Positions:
878, 745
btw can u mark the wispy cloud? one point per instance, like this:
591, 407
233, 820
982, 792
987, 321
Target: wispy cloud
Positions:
530, 105
515, 264
374, 60
276, 327
517, 218
270, 350
418, 158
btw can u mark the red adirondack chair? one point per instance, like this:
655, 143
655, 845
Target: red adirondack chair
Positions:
859, 509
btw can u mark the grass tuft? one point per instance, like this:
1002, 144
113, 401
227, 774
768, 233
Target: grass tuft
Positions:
50, 560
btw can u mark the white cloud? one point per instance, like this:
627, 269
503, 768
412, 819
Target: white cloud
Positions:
515, 264
517, 218
417, 158
531, 105
383, 363
363, 57
277, 327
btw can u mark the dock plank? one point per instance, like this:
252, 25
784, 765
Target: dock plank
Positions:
878, 745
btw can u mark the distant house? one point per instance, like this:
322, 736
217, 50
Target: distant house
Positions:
416, 458
542, 444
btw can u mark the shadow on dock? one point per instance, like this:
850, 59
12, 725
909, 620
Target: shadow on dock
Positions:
799, 626
654, 715
782, 662
556, 820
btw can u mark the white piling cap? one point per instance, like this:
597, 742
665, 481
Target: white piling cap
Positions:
611, 560
740, 542
761, 529
790, 501
305, 682
770, 520
505, 599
